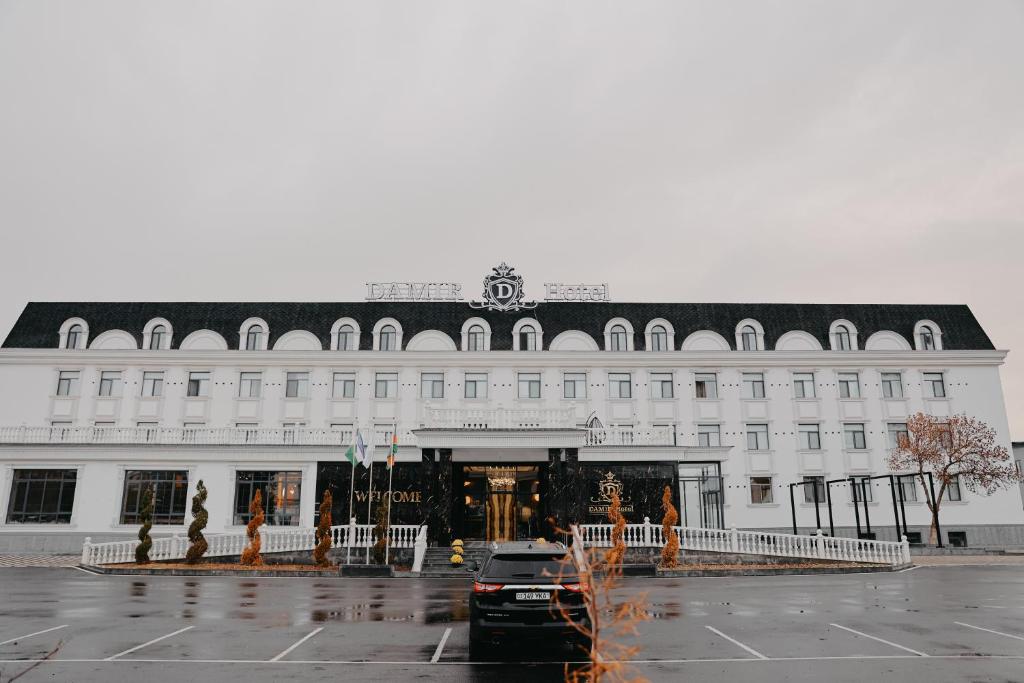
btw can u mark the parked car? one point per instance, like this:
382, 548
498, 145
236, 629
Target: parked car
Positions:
517, 592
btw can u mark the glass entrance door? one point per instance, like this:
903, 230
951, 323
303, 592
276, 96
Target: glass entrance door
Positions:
500, 502
700, 492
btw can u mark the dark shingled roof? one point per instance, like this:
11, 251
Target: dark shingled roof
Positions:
39, 324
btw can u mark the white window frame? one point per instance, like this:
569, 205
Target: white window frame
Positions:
576, 380
476, 380
617, 381
302, 380
389, 380
430, 382
843, 383
660, 382
527, 378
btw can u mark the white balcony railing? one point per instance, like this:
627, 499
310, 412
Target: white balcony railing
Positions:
205, 436
500, 418
631, 436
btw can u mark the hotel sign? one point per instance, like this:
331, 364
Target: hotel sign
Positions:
503, 291
413, 291
556, 291
608, 487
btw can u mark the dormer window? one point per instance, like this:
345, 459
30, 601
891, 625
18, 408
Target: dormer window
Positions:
659, 339
156, 337
346, 338
254, 338
74, 335
617, 338
749, 338
388, 338
475, 338
927, 338
843, 338
527, 338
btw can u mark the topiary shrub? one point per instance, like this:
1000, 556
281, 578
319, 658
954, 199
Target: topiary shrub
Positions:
380, 532
200, 517
670, 552
145, 542
323, 532
251, 554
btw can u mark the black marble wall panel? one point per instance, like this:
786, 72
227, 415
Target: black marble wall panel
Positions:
408, 492
639, 485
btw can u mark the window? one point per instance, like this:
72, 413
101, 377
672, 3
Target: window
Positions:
709, 436
706, 385
476, 385
814, 489
156, 337
849, 385
748, 337
809, 437
250, 384
953, 492
934, 387
908, 486
170, 490
620, 385
432, 385
529, 385
296, 385
843, 338
753, 385
659, 338
803, 384
661, 385
757, 437
617, 338
344, 385
198, 384
527, 338
892, 385
574, 385
110, 383
280, 492
927, 338
760, 490
388, 338
897, 432
346, 338
42, 497
475, 338
386, 385
152, 384
853, 437
67, 383
74, 336
863, 490
254, 338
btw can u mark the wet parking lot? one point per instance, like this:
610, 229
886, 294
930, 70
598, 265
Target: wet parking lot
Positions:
927, 624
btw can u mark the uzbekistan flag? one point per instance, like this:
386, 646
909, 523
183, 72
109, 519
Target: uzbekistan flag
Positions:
393, 451
356, 453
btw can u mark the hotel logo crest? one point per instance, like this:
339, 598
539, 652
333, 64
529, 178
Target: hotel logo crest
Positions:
608, 487
503, 291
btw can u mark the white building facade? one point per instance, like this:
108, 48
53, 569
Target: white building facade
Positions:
510, 423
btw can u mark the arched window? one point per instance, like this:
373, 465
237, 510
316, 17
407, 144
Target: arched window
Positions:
74, 335
927, 338
749, 336
346, 338
843, 338
659, 338
156, 337
254, 338
388, 336
527, 338
475, 338
617, 338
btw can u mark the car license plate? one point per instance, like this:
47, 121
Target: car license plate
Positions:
540, 595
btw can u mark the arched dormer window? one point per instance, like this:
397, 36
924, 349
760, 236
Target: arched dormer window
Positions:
253, 335
476, 335
749, 335
156, 337
527, 338
618, 335
527, 335
659, 338
346, 338
660, 335
388, 337
254, 338
842, 338
617, 338
475, 338
75, 336
927, 336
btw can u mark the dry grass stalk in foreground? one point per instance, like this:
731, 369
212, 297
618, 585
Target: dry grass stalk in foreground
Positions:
611, 622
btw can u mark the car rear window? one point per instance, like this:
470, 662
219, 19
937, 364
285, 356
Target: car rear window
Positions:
532, 566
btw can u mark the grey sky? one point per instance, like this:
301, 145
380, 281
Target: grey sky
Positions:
760, 151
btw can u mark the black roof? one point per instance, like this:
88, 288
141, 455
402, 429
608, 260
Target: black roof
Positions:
39, 323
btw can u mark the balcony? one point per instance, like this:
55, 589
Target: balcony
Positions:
500, 418
630, 436
176, 436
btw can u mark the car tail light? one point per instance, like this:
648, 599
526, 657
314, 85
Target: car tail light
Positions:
575, 587
486, 587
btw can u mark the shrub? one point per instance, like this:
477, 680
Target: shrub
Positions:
145, 542
251, 554
323, 532
380, 532
670, 552
200, 517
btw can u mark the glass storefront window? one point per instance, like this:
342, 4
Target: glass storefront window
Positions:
280, 491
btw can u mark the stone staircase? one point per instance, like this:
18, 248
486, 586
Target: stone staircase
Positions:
436, 562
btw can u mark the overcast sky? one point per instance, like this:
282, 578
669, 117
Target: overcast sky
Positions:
715, 151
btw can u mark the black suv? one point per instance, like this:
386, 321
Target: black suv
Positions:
517, 591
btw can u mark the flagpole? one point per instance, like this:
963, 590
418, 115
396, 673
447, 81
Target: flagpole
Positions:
387, 530
369, 508
351, 495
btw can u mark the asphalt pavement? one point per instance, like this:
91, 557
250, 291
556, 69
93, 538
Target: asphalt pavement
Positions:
926, 624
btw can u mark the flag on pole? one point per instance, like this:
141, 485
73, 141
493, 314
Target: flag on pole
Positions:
365, 456
393, 451
351, 452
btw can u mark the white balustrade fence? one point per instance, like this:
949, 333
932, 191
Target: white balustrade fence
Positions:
273, 540
817, 546
202, 436
500, 418
631, 436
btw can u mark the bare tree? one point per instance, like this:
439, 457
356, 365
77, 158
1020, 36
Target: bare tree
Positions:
956, 450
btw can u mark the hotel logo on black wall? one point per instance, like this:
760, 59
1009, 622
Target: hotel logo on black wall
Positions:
607, 487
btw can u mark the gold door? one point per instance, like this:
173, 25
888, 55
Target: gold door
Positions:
501, 517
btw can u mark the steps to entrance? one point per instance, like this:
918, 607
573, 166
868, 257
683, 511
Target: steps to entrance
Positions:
437, 561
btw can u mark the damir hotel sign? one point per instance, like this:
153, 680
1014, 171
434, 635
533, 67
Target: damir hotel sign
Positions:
503, 291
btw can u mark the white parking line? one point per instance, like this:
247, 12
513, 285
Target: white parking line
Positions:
988, 630
736, 642
881, 640
296, 644
139, 647
440, 646
37, 633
